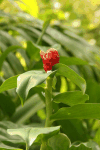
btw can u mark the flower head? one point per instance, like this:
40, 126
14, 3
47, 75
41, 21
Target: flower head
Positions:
50, 58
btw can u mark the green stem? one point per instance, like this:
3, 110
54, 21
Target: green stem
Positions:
27, 147
43, 146
48, 96
48, 101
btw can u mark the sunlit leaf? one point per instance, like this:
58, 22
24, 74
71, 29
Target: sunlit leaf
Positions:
71, 98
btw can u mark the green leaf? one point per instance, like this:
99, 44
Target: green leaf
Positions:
37, 135
80, 147
58, 140
71, 98
33, 51
80, 111
3, 147
28, 80
72, 61
72, 75
6, 52
10, 83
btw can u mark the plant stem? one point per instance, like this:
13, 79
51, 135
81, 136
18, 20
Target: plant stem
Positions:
27, 147
48, 96
48, 101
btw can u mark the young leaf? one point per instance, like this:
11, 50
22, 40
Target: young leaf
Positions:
72, 75
10, 83
28, 80
71, 98
80, 111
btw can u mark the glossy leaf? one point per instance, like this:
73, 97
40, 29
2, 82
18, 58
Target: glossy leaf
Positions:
28, 80
80, 111
73, 76
71, 98
56, 142
37, 135
10, 83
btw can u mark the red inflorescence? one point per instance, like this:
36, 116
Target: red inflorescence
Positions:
50, 58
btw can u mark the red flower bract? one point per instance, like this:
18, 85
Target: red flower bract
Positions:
50, 58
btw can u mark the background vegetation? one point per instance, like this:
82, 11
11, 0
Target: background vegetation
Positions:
73, 28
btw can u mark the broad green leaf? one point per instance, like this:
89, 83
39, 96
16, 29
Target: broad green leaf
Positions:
33, 51
10, 83
37, 135
58, 140
43, 134
4, 147
31, 106
80, 111
6, 52
72, 75
71, 98
80, 147
72, 61
28, 80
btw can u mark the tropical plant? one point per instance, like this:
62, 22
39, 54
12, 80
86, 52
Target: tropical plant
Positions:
75, 117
